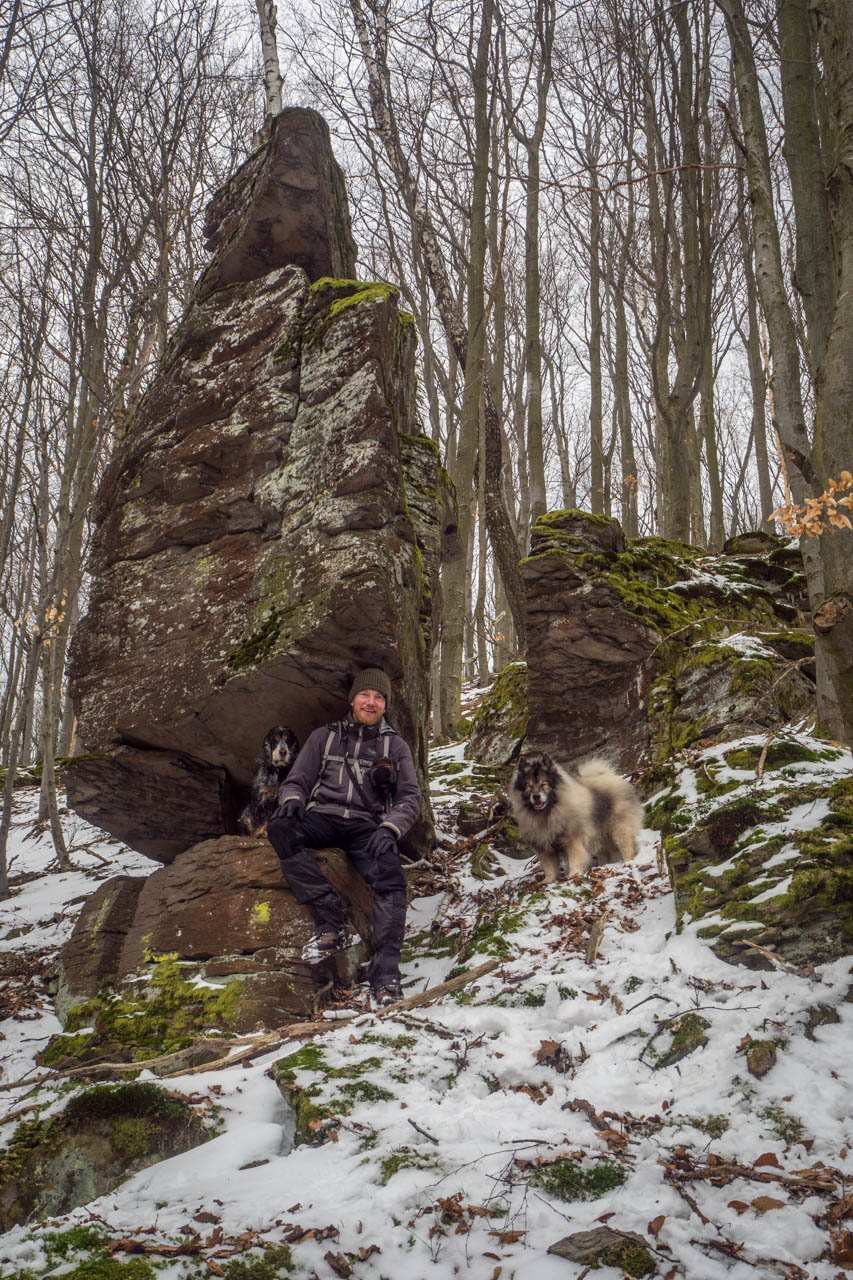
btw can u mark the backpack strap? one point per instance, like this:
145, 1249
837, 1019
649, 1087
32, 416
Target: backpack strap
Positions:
330, 737
371, 808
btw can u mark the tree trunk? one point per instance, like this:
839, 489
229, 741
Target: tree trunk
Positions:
500, 529
596, 420
807, 468
814, 277
834, 402
758, 385
269, 50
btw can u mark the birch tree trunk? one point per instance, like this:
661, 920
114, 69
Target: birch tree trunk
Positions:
269, 50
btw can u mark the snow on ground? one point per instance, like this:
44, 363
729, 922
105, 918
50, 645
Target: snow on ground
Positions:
452, 1108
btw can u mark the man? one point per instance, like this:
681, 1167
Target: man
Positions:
353, 787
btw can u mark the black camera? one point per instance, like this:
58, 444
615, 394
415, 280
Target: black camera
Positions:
383, 777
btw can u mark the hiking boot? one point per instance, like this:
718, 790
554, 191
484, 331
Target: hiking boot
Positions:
328, 942
387, 991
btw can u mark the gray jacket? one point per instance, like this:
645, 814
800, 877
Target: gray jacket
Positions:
319, 777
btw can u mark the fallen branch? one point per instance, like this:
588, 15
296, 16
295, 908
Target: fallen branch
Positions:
595, 935
253, 1046
307, 1030
815, 1179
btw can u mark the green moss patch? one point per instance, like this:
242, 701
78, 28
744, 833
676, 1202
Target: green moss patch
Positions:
568, 1180
403, 1158
780, 752
167, 1014
492, 933
685, 1036
319, 1093
500, 722
271, 1263
102, 1136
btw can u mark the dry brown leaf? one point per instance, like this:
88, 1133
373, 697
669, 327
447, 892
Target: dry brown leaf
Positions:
508, 1237
547, 1049
763, 1204
841, 1209
739, 1206
656, 1224
842, 1249
769, 1157
339, 1264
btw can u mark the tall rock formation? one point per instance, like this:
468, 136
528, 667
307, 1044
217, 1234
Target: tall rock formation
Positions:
269, 523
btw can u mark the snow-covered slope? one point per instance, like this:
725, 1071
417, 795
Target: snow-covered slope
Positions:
453, 1131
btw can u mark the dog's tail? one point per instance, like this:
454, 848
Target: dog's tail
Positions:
596, 769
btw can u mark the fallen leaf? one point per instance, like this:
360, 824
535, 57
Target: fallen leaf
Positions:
656, 1224
739, 1206
214, 1268
769, 1157
508, 1237
842, 1208
842, 1249
762, 1204
338, 1263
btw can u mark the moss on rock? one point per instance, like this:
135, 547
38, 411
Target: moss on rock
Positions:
164, 1012
500, 722
102, 1135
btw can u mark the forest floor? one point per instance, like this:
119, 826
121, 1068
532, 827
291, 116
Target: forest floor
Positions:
596, 1078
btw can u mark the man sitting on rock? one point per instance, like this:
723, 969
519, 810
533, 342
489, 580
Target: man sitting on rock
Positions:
353, 787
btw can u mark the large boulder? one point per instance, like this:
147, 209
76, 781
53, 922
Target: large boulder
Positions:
638, 648
269, 524
221, 911
101, 1137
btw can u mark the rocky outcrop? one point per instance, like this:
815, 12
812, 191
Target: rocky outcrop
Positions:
270, 521
223, 912
757, 841
639, 648
287, 205
500, 721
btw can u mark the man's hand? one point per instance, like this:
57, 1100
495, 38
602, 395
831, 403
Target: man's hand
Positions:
381, 842
292, 808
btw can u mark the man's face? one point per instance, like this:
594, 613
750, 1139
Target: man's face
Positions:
368, 706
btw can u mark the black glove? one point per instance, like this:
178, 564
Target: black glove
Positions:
292, 808
381, 842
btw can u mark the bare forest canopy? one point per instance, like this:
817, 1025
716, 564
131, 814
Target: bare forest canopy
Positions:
624, 230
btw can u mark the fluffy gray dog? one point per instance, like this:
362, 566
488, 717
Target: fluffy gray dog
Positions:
574, 819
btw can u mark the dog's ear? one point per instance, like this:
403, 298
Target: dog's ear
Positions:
547, 762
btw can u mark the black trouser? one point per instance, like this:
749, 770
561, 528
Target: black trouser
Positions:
293, 841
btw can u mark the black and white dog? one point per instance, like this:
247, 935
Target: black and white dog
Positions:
280, 749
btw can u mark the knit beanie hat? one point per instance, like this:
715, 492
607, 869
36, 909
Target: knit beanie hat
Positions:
371, 678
